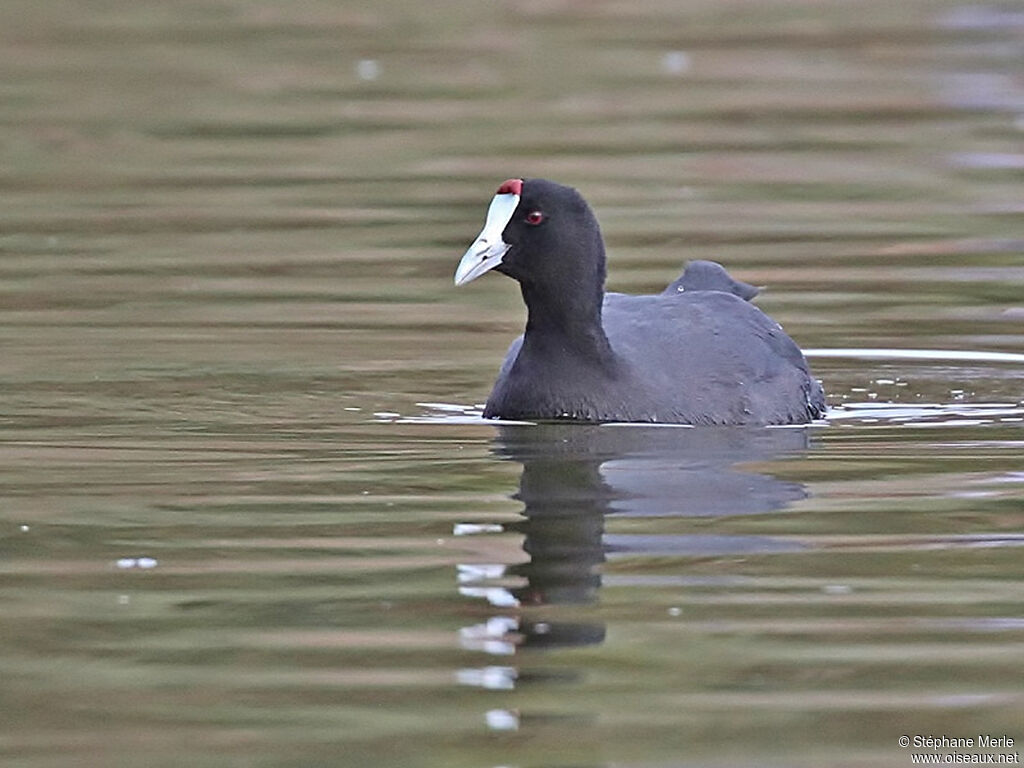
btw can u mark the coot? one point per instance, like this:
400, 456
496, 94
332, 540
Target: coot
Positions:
711, 276
690, 357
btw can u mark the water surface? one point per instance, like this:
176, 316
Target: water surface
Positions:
250, 515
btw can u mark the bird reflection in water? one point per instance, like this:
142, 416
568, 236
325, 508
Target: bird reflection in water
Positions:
576, 477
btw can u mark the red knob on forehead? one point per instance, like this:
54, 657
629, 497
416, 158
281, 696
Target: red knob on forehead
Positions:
511, 187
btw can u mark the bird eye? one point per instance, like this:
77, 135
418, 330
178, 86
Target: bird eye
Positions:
534, 217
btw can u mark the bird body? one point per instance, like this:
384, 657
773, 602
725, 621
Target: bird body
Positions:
707, 373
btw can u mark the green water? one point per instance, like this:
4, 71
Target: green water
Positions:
248, 516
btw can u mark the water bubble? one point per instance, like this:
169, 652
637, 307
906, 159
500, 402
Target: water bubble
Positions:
676, 62
368, 69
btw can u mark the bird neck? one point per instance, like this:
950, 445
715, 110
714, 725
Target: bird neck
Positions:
567, 322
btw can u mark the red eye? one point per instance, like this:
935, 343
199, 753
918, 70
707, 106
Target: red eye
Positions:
534, 217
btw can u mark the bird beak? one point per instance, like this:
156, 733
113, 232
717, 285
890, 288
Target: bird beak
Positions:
488, 249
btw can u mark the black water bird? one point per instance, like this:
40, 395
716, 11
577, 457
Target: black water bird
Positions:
689, 357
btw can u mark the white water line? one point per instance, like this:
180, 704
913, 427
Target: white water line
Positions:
950, 355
